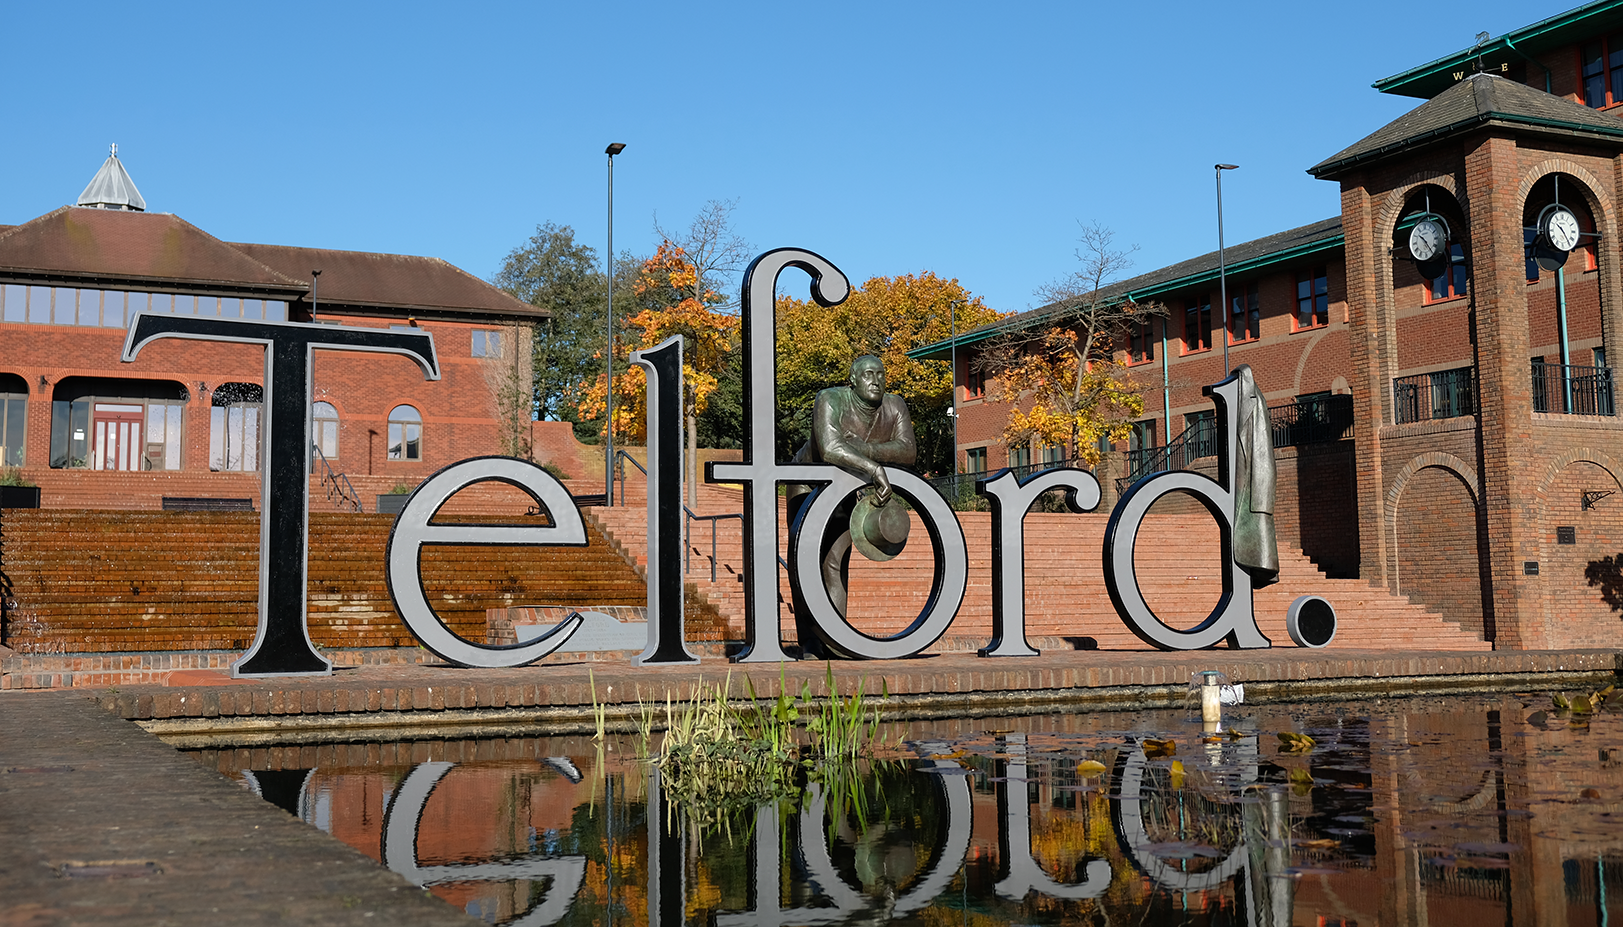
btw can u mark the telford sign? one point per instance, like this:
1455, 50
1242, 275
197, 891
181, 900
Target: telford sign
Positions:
1240, 500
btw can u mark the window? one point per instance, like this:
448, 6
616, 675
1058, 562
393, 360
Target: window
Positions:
163, 435
234, 426
1197, 324
1142, 437
1020, 456
13, 419
1053, 454
1312, 298
1601, 63
324, 429
1245, 315
975, 460
1200, 434
1141, 342
45, 305
487, 344
405, 434
1452, 282
974, 383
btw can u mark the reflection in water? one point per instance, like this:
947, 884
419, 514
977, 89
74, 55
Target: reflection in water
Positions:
1404, 812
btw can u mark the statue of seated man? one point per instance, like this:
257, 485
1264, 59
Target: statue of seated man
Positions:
862, 429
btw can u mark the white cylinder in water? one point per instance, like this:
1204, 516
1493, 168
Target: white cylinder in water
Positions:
1211, 703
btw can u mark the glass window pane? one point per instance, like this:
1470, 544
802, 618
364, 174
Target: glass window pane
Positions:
12, 430
39, 304
405, 414
90, 307
66, 308
112, 308
185, 305
16, 297
208, 305
253, 308
171, 447
1591, 58
394, 441
276, 311
162, 302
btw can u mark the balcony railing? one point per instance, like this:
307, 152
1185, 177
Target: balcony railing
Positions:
958, 487
1427, 396
1311, 420
1572, 390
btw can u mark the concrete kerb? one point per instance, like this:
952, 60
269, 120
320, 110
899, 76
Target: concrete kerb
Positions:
624, 717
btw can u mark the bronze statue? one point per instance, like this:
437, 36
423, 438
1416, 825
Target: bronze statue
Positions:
862, 429
1255, 549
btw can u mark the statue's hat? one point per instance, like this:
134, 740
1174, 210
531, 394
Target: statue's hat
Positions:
879, 531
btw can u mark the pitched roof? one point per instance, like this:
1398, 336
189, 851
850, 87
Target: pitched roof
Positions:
1240, 260
143, 250
1477, 101
112, 186
133, 249
422, 285
1515, 50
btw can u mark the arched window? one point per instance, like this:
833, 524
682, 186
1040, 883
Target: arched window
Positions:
324, 429
405, 433
13, 418
234, 426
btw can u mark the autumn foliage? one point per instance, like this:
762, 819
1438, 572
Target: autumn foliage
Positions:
708, 334
1058, 395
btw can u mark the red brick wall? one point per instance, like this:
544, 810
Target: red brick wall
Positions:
1585, 574
457, 410
1438, 555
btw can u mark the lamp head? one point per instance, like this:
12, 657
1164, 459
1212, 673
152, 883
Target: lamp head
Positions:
1227, 167
614, 148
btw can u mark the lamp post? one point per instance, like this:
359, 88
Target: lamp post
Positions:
608, 354
1222, 269
952, 409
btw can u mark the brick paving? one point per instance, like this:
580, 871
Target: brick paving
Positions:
105, 824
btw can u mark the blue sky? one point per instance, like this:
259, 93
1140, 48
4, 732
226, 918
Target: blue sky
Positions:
964, 139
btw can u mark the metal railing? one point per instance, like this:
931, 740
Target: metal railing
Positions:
1427, 396
955, 486
1572, 390
1311, 420
337, 486
687, 522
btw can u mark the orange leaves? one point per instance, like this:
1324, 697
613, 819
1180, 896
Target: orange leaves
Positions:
708, 335
1058, 398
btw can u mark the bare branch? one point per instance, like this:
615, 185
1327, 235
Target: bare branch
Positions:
717, 252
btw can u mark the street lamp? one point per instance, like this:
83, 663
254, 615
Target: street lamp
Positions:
608, 355
1222, 270
952, 409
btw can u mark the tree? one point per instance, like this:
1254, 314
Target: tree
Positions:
709, 336
1064, 379
556, 273
716, 252
888, 317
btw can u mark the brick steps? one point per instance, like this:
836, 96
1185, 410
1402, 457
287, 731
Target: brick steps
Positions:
97, 581
1065, 592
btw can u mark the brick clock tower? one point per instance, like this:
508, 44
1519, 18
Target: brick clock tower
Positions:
1485, 299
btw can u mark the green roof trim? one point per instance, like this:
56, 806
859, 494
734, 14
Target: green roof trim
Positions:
942, 350
1515, 47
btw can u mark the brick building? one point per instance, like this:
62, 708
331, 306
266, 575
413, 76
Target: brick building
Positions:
1436, 356
182, 421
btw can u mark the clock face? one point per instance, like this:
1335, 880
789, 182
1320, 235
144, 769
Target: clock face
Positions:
1427, 239
1561, 229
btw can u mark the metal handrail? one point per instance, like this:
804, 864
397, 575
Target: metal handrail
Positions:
687, 522
345, 494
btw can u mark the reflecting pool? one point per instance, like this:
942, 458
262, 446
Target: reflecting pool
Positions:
1468, 810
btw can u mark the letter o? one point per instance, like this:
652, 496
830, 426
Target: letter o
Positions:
951, 576
412, 530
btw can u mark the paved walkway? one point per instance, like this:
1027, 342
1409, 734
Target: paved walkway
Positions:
105, 824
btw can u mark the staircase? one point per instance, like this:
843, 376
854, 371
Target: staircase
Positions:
1067, 604
111, 582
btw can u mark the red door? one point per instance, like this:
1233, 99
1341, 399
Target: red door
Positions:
116, 430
